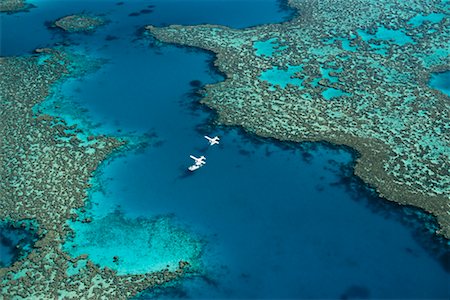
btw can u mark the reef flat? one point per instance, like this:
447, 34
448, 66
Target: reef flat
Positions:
79, 23
45, 169
352, 73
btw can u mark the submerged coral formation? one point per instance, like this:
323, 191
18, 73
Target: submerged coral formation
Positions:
11, 6
348, 72
45, 167
133, 246
79, 23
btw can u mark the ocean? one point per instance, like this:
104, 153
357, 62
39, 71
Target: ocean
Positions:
273, 220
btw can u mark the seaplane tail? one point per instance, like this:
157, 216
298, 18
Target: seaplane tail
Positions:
212, 141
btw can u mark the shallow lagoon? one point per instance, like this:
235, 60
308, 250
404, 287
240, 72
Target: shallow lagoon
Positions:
384, 34
431, 18
268, 48
282, 77
331, 93
278, 220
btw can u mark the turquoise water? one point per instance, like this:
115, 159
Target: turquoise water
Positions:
140, 245
268, 48
282, 77
346, 46
331, 93
441, 82
396, 36
385, 34
420, 19
382, 33
273, 220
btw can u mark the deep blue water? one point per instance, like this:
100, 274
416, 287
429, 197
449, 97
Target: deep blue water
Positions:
279, 220
15, 242
30, 33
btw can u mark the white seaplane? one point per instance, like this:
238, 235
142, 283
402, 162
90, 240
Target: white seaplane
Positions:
212, 141
198, 162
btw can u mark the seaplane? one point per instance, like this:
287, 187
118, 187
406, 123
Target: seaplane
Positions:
198, 162
212, 141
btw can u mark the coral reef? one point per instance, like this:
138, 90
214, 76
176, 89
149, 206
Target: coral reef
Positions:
354, 73
12, 6
45, 168
79, 23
